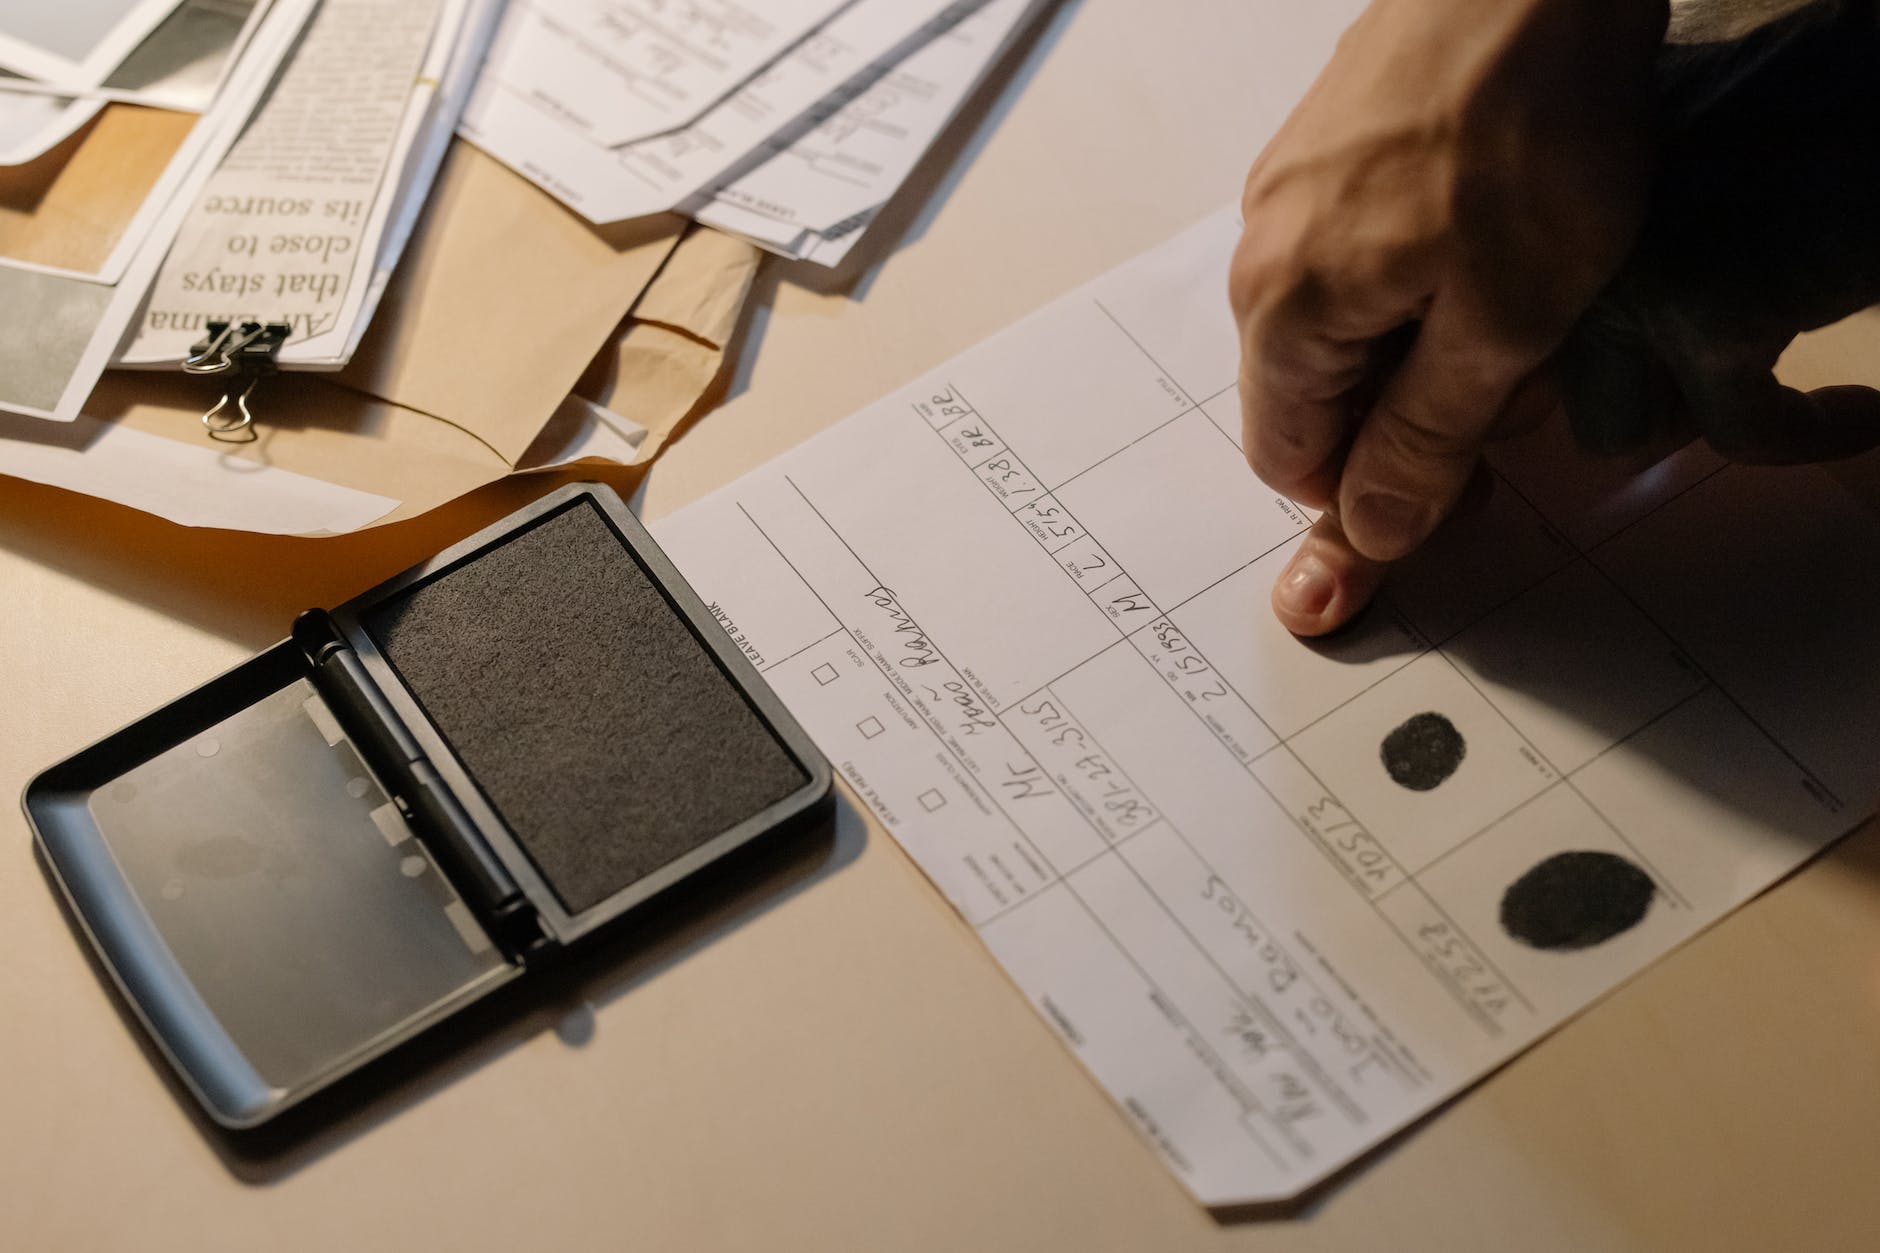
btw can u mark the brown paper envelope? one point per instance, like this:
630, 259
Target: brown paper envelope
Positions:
702, 288
502, 299
657, 374
313, 426
69, 207
326, 428
661, 365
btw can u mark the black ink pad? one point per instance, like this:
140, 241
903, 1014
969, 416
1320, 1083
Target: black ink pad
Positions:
1576, 900
1423, 752
587, 711
417, 798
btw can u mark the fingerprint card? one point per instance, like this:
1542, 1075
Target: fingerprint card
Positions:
1283, 897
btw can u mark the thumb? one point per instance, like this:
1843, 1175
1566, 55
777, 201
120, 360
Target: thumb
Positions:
1327, 583
1421, 441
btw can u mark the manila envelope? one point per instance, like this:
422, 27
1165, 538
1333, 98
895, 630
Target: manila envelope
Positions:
67, 207
655, 367
660, 368
501, 300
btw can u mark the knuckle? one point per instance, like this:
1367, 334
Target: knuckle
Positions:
1256, 277
1263, 467
1269, 465
1389, 266
1423, 439
1284, 444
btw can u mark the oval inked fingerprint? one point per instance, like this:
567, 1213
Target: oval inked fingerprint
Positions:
1423, 752
1576, 900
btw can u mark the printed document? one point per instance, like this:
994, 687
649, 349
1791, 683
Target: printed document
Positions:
817, 192
288, 227
513, 118
620, 71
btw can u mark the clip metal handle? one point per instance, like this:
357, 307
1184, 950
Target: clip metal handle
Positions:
248, 350
217, 354
238, 426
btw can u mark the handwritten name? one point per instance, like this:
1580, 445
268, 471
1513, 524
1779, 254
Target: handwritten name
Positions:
917, 649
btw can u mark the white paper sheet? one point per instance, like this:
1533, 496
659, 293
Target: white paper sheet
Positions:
621, 71
188, 484
1273, 894
827, 183
507, 117
191, 79
75, 43
73, 326
180, 65
32, 124
581, 429
183, 62
288, 228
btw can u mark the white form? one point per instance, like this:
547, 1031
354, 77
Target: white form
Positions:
620, 71
507, 118
825, 185
1281, 898
76, 43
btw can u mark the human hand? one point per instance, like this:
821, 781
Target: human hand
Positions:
1451, 195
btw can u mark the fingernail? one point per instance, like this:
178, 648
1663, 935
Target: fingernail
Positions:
1307, 586
1397, 521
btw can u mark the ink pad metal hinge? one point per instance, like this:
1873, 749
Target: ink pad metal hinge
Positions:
422, 796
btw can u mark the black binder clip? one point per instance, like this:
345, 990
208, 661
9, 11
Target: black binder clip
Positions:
246, 352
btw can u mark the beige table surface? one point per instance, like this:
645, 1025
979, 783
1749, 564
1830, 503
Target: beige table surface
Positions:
828, 1060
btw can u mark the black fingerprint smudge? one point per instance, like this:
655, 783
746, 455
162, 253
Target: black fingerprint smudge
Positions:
1575, 900
1423, 752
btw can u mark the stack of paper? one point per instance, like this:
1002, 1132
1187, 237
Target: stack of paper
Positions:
165, 163
791, 123
178, 163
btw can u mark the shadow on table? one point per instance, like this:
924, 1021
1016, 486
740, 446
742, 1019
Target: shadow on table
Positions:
562, 998
1701, 765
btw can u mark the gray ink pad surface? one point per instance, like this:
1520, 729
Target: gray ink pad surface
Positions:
588, 713
416, 799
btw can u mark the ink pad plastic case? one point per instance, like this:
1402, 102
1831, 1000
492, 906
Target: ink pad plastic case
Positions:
415, 799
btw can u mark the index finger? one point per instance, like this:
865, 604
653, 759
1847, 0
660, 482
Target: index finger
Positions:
1421, 442
1308, 344
1748, 415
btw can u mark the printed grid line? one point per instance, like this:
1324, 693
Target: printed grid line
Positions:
1245, 1096
1444, 978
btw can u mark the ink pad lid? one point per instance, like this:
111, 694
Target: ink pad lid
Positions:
402, 808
